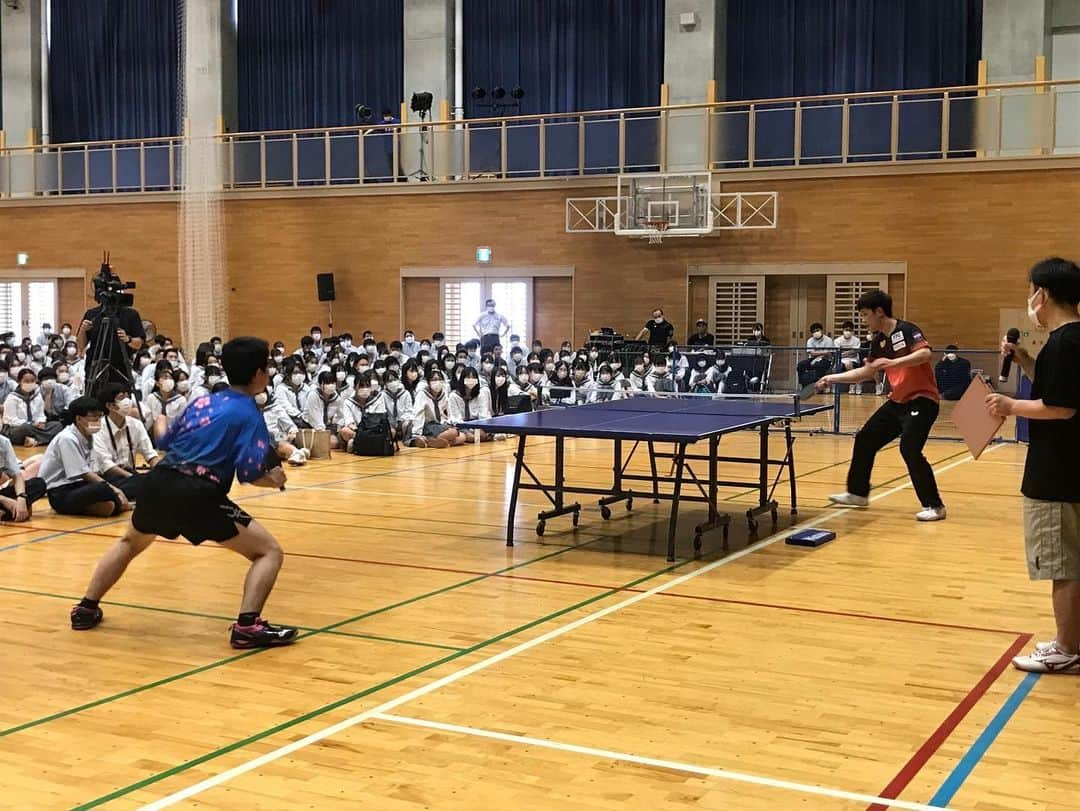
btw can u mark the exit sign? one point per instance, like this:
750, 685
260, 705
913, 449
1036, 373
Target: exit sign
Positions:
483, 255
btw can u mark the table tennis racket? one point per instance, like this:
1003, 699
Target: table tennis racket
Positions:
808, 391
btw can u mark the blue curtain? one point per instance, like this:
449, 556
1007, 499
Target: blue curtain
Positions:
308, 63
781, 48
113, 69
568, 55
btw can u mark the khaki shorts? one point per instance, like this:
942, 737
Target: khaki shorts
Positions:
1052, 539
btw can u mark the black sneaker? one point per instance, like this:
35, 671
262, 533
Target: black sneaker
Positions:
83, 619
261, 635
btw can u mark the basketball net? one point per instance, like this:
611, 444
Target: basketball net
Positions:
658, 228
201, 271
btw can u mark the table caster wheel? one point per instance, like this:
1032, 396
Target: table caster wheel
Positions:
577, 517
605, 512
752, 524
541, 527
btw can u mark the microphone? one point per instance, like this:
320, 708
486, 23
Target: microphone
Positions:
1012, 336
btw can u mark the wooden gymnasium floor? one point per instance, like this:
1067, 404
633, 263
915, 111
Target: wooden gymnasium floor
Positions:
441, 670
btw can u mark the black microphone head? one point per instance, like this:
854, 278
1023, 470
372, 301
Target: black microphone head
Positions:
1013, 335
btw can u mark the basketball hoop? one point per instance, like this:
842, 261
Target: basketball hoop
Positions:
658, 228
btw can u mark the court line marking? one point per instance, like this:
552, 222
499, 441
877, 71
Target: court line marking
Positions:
948, 726
483, 664
971, 758
639, 760
200, 615
229, 659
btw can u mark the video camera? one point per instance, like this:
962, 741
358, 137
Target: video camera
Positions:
108, 288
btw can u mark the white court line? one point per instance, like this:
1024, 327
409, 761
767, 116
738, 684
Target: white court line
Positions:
671, 765
555, 633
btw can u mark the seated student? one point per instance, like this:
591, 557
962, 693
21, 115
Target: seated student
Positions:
409, 345
487, 366
527, 382
281, 428
604, 388
639, 375
704, 375
37, 358
183, 383
68, 467
163, 407
820, 356
7, 384
431, 426
323, 406
849, 342
399, 406
516, 359
341, 378
362, 401
121, 437
294, 391
660, 380
678, 365
54, 397
560, 387
582, 381
953, 374
469, 401
20, 490
498, 392
25, 422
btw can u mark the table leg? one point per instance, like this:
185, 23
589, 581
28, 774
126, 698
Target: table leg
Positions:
655, 483
519, 464
790, 439
680, 460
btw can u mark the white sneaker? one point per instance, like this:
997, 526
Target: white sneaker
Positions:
306, 452
297, 458
931, 514
853, 390
849, 500
879, 389
1048, 658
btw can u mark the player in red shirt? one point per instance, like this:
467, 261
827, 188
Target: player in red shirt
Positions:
903, 353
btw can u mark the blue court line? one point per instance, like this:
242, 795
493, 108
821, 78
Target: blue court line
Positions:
973, 755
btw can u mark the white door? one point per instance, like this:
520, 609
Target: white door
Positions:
463, 302
25, 306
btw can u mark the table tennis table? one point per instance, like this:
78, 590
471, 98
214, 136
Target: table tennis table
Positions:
652, 420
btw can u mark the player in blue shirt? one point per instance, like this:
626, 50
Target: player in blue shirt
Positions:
218, 437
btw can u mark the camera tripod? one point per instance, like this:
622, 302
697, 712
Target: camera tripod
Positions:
102, 367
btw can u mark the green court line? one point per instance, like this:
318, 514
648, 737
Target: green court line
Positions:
182, 612
341, 702
229, 659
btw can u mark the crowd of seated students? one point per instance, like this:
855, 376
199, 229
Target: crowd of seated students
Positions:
428, 391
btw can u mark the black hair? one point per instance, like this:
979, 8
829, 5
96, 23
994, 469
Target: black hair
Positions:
110, 391
387, 112
951, 348
429, 368
1060, 278
380, 348
535, 368
604, 369
500, 395
410, 366
660, 360
243, 358
81, 407
396, 346
46, 373
315, 328
26, 370
872, 299
848, 325
363, 380
438, 336
459, 384
816, 326
202, 350
562, 366
307, 341
326, 377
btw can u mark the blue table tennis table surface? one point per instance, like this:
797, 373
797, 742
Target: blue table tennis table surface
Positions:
657, 419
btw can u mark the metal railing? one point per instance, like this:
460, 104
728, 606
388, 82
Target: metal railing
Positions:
1026, 119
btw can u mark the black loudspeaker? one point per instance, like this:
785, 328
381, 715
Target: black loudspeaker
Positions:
325, 283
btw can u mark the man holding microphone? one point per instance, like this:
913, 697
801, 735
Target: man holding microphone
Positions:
1051, 487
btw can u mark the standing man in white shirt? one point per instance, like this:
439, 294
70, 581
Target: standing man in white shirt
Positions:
490, 327
121, 437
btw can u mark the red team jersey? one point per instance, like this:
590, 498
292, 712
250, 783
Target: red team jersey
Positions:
907, 382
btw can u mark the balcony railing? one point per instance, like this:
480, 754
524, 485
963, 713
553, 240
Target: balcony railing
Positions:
1020, 120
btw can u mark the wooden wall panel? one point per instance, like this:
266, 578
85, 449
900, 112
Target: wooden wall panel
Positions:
700, 295
968, 241
552, 307
896, 290
73, 298
422, 308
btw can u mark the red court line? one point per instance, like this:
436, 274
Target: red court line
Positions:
948, 726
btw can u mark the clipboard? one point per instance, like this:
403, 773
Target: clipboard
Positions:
976, 426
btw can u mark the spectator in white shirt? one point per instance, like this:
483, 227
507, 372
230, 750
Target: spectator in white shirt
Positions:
24, 414
819, 348
19, 491
490, 327
121, 437
849, 342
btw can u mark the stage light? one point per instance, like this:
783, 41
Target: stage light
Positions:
363, 112
498, 92
421, 103
478, 93
517, 92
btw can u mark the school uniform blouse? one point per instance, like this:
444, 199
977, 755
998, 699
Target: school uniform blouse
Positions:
67, 459
351, 414
172, 407
294, 400
278, 422
427, 408
399, 407
20, 409
478, 408
321, 413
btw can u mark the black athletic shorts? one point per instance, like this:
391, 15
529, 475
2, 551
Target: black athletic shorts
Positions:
172, 503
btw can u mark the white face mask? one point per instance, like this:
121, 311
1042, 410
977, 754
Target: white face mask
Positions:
950, 356
66, 331
297, 380
409, 339
328, 389
1033, 312
48, 385
39, 355
757, 333
3, 377
487, 367
92, 427
217, 349
312, 367
184, 386
448, 364
817, 335
213, 380
316, 336
28, 388
260, 399
436, 386
425, 347
847, 333
491, 310
363, 394
63, 377
124, 406
144, 362
340, 376
394, 386
550, 367
658, 319
605, 378
167, 385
